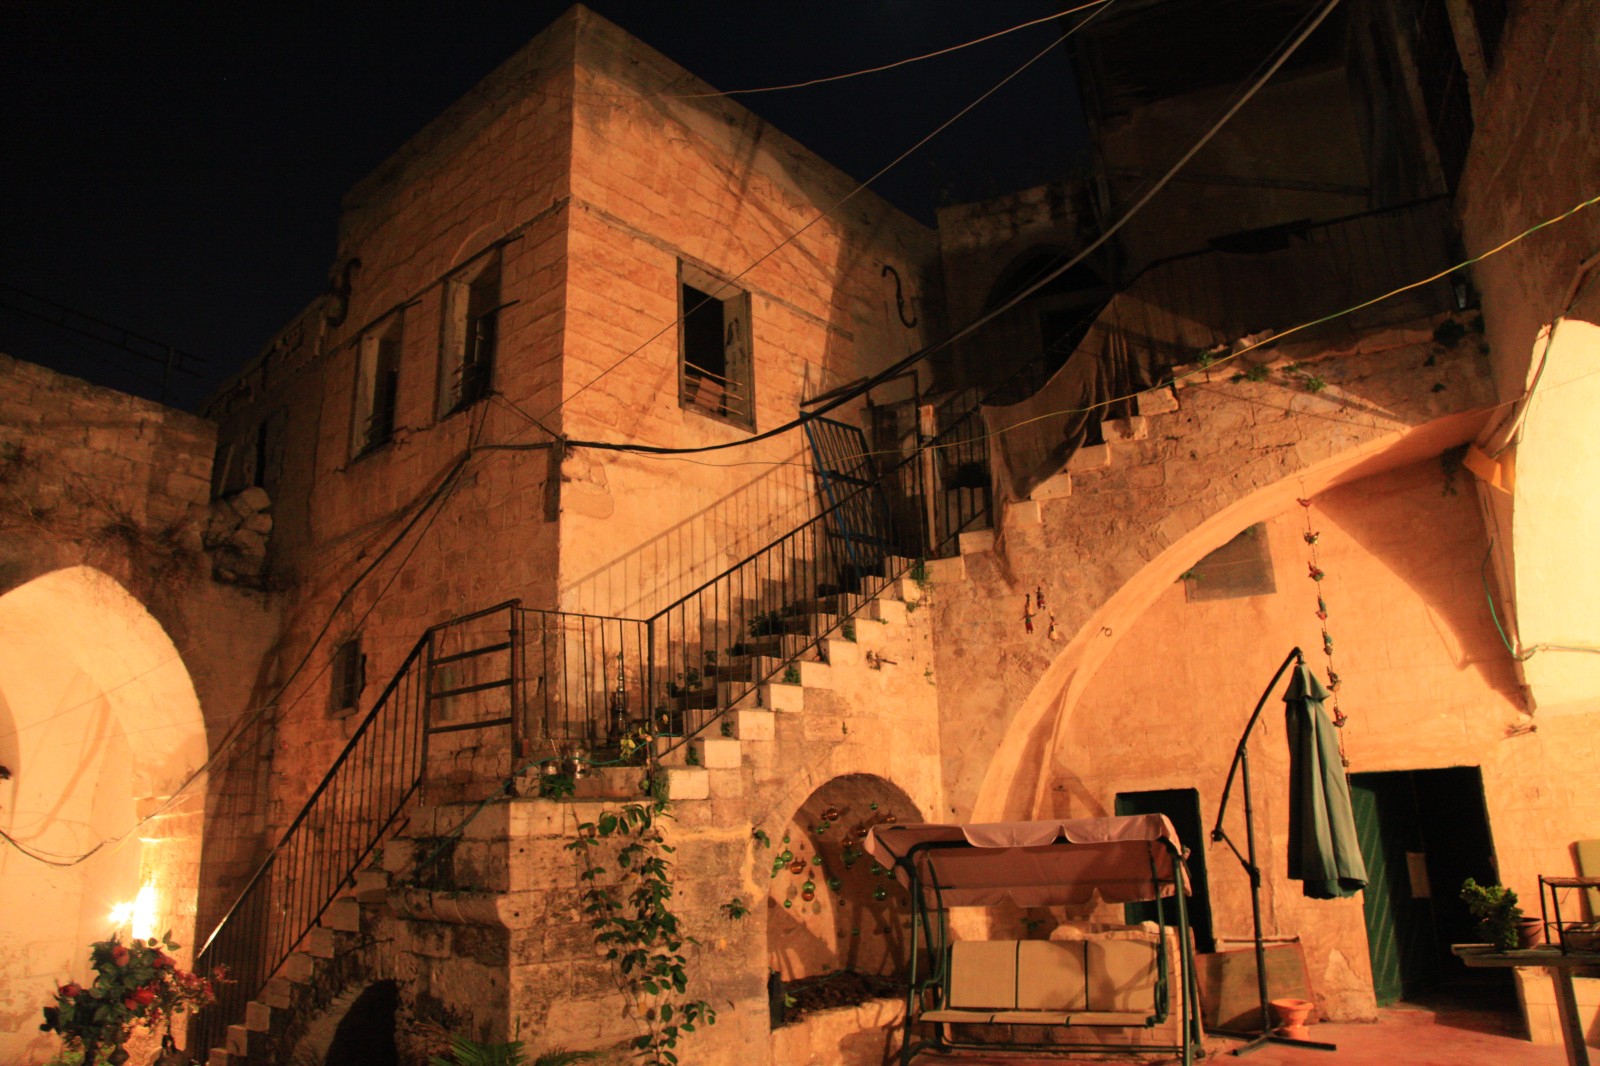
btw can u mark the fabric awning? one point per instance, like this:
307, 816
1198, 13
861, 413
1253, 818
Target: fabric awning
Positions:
1034, 864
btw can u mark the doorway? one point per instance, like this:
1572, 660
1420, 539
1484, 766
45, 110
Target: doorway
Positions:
1182, 808
1422, 833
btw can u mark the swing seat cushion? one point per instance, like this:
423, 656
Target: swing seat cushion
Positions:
1042, 982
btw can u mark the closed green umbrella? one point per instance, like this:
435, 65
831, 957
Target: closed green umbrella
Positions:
1323, 850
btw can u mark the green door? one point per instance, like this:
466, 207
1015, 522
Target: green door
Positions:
1422, 833
1377, 902
1182, 807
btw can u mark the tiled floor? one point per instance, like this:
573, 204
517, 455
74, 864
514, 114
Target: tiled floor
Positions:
1442, 1034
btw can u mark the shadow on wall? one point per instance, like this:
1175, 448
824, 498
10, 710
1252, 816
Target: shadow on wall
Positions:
679, 560
830, 907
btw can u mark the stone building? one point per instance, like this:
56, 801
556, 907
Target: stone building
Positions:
466, 534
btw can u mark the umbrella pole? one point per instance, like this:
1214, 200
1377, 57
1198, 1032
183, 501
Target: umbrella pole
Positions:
1241, 768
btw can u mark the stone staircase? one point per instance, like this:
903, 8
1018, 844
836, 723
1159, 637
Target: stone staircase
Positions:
317, 978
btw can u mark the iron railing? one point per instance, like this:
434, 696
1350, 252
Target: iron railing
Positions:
444, 686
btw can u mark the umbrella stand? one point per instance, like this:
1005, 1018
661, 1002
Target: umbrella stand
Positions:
1241, 767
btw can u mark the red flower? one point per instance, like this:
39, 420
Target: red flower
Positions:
69, 990
119, 954
141, 997
164, 961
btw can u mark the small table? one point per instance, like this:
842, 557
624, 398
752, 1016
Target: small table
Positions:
1560, 966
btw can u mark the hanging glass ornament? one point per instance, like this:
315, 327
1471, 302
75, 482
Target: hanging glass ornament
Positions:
788, 903
880, 893
798, 866
831, 814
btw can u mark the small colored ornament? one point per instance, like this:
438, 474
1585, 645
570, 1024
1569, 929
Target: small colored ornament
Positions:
835, 884
831, 814
785, 855
808, 896
1038, 596
798, 866
880, 893
1316, 572
877, 871
874, 806
816, 860
788, 903
809, 886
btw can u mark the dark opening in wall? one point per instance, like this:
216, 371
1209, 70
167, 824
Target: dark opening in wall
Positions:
365, 1036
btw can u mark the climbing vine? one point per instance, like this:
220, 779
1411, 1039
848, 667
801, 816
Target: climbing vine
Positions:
630, 911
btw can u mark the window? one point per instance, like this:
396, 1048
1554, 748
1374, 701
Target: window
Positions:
472, 308
716, 372
377, 387
1242, 567
349, 676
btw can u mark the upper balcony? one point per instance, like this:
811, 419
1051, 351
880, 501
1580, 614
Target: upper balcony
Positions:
1244, 289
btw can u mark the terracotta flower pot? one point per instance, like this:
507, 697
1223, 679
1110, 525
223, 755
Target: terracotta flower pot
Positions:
1291, 1015
1530, 932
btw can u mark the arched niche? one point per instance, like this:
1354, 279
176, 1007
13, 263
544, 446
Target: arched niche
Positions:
852, 916
99, 726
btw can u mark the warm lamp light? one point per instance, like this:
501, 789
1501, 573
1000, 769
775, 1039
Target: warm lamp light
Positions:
139, 914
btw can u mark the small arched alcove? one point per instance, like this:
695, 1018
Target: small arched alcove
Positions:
830, 907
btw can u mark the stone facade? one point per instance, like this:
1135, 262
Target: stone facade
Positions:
458, 423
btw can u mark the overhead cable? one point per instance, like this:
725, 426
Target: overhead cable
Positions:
985, 319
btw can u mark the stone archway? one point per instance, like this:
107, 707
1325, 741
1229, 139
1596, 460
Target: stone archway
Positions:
1013, 783
829, 906
99, 726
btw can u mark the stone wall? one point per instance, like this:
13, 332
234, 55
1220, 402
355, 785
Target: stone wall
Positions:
126, 662
1103, 540
1542, 519
661, 180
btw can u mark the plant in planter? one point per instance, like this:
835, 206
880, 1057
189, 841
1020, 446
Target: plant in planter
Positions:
1495, 907
137, 986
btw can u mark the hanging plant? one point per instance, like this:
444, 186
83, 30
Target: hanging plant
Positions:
1314, 570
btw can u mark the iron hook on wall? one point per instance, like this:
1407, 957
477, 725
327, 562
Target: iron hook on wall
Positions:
899, 296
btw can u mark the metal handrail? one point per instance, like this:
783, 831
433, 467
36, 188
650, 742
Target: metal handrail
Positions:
348, 814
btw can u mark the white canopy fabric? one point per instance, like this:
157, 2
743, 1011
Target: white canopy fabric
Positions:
1034, 864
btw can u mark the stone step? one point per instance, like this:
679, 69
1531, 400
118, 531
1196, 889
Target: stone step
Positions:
783, 698
688, 783
715, 753
975, 541
321, 942
750, 724
257, 1016
891, 611
372, 885
343, 914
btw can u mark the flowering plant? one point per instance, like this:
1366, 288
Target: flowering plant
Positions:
137, 985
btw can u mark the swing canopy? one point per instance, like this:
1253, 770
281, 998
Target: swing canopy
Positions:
1071, 862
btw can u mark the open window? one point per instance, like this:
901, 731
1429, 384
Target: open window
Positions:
472, 308
377, 387
716, 372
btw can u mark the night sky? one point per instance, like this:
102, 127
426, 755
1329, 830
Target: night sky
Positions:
176, 169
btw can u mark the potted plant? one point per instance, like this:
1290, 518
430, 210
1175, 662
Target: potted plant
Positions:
1499, 917
137, 985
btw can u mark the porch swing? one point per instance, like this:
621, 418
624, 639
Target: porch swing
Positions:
1092, 984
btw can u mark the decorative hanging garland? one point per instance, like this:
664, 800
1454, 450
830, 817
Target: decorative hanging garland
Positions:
1316, 573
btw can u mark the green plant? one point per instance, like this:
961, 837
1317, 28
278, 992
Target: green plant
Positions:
727, 727
1314, 383
735, 909
848, 630
692, 755
1258, 372
631, 914
791, 676
635, 744
1495, 907
556, 786
766, 624
760, 837
137, 986
467, 1052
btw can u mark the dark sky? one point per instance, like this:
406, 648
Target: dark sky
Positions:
175, 168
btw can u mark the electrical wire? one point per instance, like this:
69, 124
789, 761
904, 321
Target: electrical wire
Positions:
886, 66
826, 212
1294, 44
